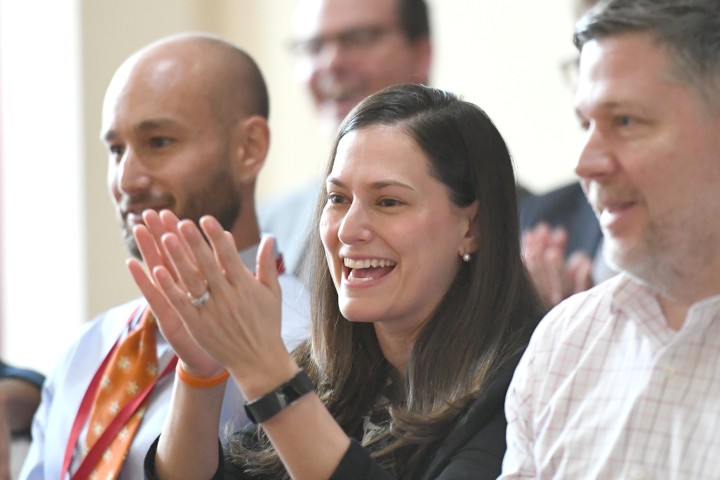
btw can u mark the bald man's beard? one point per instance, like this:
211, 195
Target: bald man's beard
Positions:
219, 198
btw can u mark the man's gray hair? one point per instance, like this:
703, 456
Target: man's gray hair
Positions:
689, 29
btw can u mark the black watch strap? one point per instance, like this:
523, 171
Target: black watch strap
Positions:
271, 403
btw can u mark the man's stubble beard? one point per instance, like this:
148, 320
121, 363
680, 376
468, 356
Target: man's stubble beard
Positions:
220, 199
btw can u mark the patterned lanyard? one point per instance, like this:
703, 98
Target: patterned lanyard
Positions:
94, 454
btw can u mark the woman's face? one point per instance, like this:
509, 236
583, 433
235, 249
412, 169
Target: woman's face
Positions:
393, 238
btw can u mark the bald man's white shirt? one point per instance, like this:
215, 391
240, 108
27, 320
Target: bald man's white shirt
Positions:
65, 387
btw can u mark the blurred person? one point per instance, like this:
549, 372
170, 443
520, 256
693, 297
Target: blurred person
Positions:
19, 398
421, 307
562, 239
185, 125
345, 50
349, 49
562, 243
621, 381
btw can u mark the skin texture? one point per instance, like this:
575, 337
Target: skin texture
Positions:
170, 148
650, 169
381, 198
339, 76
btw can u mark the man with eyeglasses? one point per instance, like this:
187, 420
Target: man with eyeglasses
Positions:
349, 49
346, 50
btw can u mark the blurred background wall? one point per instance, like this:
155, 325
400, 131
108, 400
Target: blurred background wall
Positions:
60, 248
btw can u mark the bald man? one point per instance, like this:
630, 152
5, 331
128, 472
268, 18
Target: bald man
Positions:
185, 126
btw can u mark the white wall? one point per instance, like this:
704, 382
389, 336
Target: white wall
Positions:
43, 263
506, 56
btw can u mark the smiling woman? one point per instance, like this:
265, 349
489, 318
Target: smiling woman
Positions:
421, 309
381, 198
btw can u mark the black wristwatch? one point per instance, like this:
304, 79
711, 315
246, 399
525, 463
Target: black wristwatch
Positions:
270, 404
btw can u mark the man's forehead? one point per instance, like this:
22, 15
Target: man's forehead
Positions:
148, 125
632, 57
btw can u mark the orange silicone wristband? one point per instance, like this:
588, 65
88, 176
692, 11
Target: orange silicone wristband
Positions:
200, 382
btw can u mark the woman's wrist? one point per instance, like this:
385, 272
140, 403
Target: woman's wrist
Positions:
256, 381
273, 402
200, 382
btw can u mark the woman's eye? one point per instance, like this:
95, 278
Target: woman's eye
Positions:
389, 202
334, 198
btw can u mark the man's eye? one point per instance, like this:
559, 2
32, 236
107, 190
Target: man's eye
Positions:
310, 47
623, 120
159, 142
116, 150
361, 37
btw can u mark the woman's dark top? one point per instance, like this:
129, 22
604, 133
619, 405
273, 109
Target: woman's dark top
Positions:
473, 449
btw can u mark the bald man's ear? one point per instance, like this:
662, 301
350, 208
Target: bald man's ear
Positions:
251, 153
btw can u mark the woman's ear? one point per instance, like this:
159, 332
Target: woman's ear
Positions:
252, 149
471, 230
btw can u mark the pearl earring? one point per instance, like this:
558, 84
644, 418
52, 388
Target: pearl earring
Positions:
466, 257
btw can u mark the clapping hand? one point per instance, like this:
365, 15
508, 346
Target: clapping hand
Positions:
554, 277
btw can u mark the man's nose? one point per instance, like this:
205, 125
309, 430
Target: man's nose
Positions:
131, 174
595, 159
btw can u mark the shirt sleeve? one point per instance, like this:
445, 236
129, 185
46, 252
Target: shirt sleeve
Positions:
6, 371
34, 463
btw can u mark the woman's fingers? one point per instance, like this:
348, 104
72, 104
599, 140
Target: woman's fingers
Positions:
170, 222
149, 248
185, 264
175, 328
157, 227
225, 251
217, 310
267, 268
150, 291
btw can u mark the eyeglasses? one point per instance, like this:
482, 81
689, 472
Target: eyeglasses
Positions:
353, 40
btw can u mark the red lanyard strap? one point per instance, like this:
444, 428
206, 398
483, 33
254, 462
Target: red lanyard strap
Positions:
93, 455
